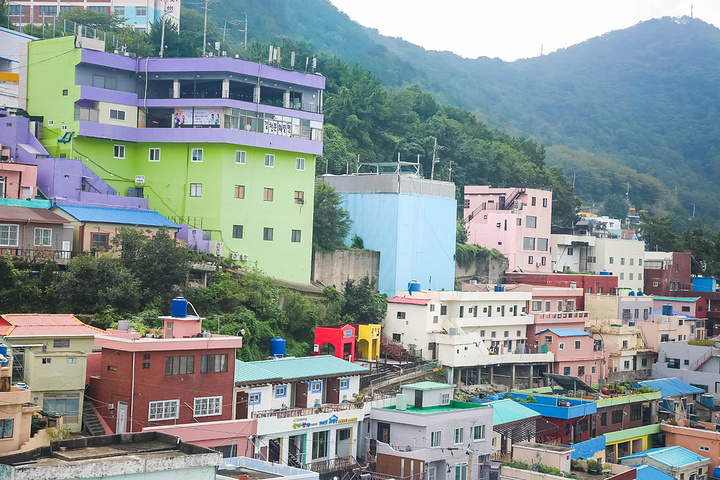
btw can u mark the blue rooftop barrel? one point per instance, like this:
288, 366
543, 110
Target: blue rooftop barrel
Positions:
413, 287
605, 272
179, 307
499, 288
3, 349
667, 309
277, 347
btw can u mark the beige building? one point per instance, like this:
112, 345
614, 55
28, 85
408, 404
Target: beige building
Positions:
629, 358
623, 307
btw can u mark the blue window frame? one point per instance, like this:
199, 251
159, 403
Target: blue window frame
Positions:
280, 391
315, 387
344, 384
254, 398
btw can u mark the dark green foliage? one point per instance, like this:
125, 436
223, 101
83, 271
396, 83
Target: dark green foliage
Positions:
594, 467
105, 22
657, 233
362, 303
566, 204
4, 19
357, 243
615, 206
331, 223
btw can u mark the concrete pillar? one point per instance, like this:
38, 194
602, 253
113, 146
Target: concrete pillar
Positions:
479, 375
256, 94
176, 89
286, 99
284, 449
308, 447
451, 375
512, 376
492, 374
530, 380
226, 88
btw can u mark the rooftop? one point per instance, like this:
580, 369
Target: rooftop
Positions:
45, 325
27, 214
122, 216
292, 368
670, 456
678, 299
409, 301
428, 386
509, 411
646, 472
566, 332
148, 344
671, 387
453, 406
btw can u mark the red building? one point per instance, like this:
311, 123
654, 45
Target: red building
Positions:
149, 382
336, 340
606, 284
667, 273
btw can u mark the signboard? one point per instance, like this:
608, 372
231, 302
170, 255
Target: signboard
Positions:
139, 178
333, 420
172, 9
274, 127
197, 116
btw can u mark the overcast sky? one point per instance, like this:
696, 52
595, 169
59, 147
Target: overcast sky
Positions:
512, 29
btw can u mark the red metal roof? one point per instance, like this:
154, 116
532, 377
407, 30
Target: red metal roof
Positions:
27, 214
409, 301
44, 325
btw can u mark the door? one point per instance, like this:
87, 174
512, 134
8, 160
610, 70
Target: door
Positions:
3, 182
383, 432
332, 391
342, 445
301, 391
241, 406
274, 450
121, 420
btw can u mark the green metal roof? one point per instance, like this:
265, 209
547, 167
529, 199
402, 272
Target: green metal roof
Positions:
295, 368
677, 299
454, 406
509, 411
428, 386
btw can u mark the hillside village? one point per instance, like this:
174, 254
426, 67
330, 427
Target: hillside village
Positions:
447, 330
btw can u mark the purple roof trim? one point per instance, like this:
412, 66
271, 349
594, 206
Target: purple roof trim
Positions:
199, 135
105, 95
242, 67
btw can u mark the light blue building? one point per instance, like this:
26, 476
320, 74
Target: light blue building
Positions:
411, 221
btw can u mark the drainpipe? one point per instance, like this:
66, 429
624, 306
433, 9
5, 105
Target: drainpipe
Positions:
132, 394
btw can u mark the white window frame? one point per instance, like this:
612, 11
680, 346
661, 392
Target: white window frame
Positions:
163, 410
240, 157
431, 473
45, 237
118, 151
152, 157
435, 438
300, 164
207, 406
280, 391
481, 436
445, 399
118, 114
459, 435
270, 160
578, 345
196, 155
196, 189
561, 346
461, 471
141, 11
9, 235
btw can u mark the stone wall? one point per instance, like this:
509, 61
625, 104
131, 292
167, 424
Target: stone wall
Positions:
485, 269
335, 268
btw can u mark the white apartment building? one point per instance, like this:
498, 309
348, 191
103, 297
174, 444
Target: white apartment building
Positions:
471, 333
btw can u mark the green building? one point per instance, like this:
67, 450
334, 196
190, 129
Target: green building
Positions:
223, 147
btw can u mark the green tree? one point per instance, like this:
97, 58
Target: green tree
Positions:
362, 303
615, 206
331, 223
565, 202
657, 233
461, 235
4, 18
19, 291
105, 22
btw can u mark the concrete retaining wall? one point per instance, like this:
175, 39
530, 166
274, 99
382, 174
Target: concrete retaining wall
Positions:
485, 269
335, 268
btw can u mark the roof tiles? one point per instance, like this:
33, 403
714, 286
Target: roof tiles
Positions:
45, 325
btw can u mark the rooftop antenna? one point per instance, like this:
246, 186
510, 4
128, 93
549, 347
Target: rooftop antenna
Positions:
541, 49
691, 10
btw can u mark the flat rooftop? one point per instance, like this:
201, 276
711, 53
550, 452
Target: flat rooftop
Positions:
246, 473
454, 406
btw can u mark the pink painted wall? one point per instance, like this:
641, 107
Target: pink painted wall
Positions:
215, 434
555, 317
19, 176
653, 331
568, 356
508, 237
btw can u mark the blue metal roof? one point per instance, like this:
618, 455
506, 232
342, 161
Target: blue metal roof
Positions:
670, 387
646, 472
675, 456
122, 216
566, 332
509, 411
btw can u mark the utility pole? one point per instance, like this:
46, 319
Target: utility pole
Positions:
432, 168
237, 23
205, 25
162, 35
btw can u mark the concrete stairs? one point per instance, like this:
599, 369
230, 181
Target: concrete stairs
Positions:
90, 421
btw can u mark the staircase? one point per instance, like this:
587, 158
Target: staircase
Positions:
392, 349
700, 361
90, 421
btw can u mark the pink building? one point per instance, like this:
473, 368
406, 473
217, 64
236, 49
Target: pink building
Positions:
554, 307
515, 221
17, 180
576, 353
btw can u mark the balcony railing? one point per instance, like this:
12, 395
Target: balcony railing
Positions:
302, 412
37, 254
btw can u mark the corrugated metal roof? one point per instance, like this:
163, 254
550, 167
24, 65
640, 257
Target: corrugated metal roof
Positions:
670, 387
674, 314
675, 456
296, 368
646, 472
566, 332
428, 386
122, 216
409, 301
678, 299
44, 325
509, 411
27, 214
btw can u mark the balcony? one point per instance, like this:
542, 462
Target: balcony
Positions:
303, 412
560, 317
506, 321
38, 254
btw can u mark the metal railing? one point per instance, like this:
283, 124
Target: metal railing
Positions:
40, 254
331, 464
302, 412
426, 367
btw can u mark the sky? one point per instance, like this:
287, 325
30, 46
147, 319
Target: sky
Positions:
512, 29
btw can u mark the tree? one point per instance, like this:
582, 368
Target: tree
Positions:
106, 22
4, 18
657, 233
331, 223
565, 202
615, 206
362, 303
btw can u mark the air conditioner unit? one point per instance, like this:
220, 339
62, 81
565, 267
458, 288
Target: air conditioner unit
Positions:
216, 248
235, 256
245, 257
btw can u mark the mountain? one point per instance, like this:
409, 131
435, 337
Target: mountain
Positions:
643, 99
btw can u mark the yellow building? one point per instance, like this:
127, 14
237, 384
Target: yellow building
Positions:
368, 342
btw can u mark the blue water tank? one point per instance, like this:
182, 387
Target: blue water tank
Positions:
708, 400
605, 272
499, 288
413, 287
667, 309
3, 349
640, 294
631, 294
277, 347
716, 472
179, 307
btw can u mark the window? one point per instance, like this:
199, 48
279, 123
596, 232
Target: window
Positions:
344, 384
43, 237
72, 360
164, 410
401, 315
269, 160
254, 398
561, 346
685, 308
65, 92
507, 334
299, 164
153, 155
702, 448
531, 221
61, 343
98, 9
267, 234
435, 438
240, 191
280, 391
617, 416
622, 260
624, 344
299, 197
528, 243
66, 406
644, 362
432, 307
214, 363
479, 432
611, 260
119, 11
536, 305
48, 10
141, 11
267, 194
542, 244
237, 231
146, 365
622, 276
566, 371
112, 368
459, 434
9, 235
320, 445
445, 399
180, 365
577, 344
635, 412
545, 202
46, 360
593, 369
16, 10
530, 260
146, 356
461, 471
431, 473
603, 419
118, 151
196, 155
240, 157
547, 305
581, 370
533, 201
118, 115
548, 338
397, 337
631, 276
570, 251
493, 334
100, 241
207, 406
196, 189
443, 309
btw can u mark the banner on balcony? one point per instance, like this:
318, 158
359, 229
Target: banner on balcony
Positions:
197, 116
273, 127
